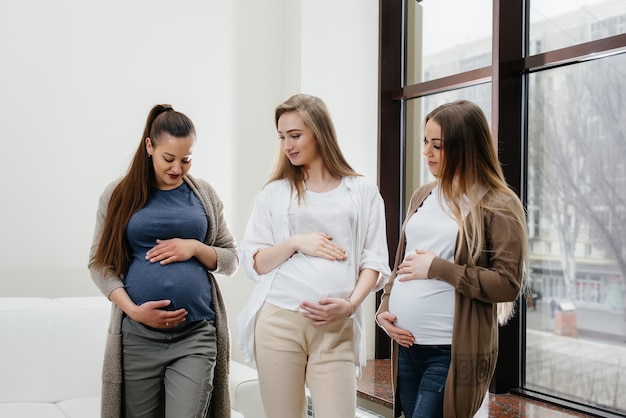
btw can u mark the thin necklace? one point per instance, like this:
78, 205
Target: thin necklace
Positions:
306, 186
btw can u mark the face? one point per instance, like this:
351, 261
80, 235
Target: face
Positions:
171, 159
432, 147
297, 140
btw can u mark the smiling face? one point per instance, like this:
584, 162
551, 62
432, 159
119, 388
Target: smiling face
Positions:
297, 140
171, 159
433, 147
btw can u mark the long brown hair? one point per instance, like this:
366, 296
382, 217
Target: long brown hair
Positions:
470, 169
317, 118
133, 190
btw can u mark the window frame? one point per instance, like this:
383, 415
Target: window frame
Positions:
511, 65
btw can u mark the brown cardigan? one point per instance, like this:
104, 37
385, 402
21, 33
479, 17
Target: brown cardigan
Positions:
222, 241
497, 278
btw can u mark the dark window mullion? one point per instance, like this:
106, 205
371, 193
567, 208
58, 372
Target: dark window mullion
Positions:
389, 135
506, 123
443, 84
573, 54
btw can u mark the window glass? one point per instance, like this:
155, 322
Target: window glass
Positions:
417, 109
447, 37
575, 184
558, 24
576, 321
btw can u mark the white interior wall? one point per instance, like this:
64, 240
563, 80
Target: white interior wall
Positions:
78, 78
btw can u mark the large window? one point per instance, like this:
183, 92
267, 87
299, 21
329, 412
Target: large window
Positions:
577, 189
551, 76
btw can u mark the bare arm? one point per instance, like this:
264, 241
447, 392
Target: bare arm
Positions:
364, 285
317, 244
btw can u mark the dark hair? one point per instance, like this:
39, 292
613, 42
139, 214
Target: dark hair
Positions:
132, 192
317, 118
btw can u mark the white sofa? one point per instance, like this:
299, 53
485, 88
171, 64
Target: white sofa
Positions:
51, 360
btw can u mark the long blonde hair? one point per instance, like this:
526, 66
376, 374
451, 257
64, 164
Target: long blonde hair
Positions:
316, 117
471, 178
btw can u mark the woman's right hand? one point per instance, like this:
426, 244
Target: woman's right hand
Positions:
401, 336
152, 314
318, 244
148, 313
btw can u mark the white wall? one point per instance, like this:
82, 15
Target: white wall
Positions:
78, 78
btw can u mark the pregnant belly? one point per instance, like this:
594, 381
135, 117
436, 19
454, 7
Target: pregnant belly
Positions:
305, 278
423, 307
178, 282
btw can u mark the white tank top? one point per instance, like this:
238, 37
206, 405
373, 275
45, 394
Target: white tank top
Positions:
426, 307
306, 278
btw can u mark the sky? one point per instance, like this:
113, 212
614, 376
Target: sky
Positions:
451, 22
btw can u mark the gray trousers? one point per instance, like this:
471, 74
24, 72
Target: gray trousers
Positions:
168, 374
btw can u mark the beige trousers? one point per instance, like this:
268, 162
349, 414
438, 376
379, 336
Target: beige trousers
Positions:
291, 353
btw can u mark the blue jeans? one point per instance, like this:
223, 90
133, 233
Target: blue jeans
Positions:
422, 373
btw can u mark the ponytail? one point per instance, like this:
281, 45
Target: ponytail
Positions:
131, 194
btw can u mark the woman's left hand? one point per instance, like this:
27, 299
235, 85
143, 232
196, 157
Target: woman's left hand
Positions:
327, 310
171, 250
415, 266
